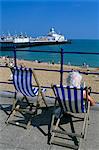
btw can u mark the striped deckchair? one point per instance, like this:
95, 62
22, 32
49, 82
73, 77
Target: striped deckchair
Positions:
22, 80
71, 101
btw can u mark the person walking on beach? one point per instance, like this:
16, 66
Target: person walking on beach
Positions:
74, 79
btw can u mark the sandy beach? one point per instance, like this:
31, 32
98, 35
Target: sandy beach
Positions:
47, 78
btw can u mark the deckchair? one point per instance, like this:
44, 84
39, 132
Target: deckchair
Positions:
71, 102
22, 81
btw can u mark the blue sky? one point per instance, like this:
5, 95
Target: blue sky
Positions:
74, 18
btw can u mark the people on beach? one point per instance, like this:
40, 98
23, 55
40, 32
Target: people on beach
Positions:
75, 79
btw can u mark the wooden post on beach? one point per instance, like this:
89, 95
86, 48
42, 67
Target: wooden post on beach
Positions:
61, 67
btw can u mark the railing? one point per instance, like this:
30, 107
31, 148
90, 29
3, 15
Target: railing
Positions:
61, 52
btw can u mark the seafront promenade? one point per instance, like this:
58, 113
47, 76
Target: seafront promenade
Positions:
41, 42
35, 138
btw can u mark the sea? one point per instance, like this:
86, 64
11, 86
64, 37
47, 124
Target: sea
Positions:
77, 45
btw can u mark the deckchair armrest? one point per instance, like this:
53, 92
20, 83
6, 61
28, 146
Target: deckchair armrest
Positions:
89, 90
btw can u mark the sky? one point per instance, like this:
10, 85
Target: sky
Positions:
76, 19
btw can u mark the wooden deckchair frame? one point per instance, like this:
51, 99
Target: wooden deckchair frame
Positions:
53, 129
16, 106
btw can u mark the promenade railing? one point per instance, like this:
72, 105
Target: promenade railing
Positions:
61, 70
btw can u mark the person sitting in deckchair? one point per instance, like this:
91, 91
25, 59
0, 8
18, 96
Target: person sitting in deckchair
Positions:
74, 79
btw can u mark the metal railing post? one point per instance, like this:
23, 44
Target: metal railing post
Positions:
15, 63
61, 68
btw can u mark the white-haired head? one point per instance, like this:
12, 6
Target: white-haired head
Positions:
74, 79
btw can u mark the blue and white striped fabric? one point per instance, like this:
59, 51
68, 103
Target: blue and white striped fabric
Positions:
70, 99
22, 79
